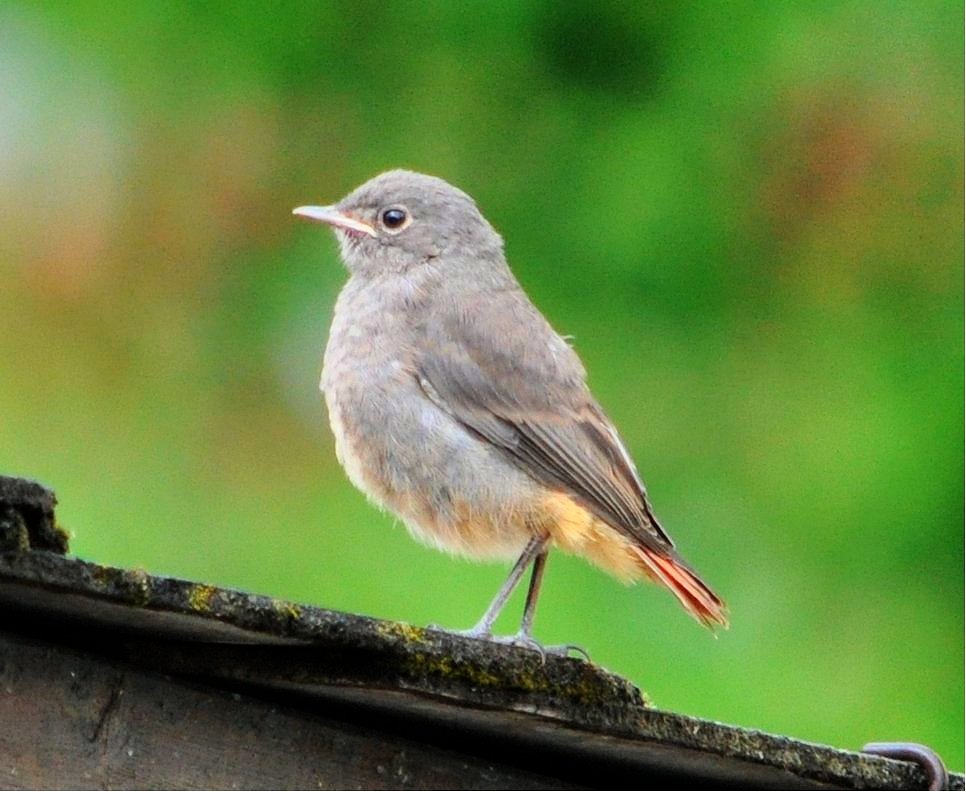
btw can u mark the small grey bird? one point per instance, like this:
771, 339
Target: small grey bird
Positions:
457, 407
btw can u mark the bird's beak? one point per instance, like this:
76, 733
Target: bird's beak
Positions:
333, 217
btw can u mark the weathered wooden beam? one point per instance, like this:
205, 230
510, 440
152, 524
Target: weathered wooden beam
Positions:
72, 720
112, 677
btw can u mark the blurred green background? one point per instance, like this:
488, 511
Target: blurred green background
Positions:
748, 215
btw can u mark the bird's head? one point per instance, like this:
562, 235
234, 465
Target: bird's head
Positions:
401, 219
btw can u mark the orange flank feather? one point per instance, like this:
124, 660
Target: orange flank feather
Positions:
574, 529
700, 601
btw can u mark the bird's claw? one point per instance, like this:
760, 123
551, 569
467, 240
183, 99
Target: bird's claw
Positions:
568, 648
527, 641
522, 640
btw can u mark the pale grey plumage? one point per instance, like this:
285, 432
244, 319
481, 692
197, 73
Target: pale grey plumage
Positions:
445, 306
456, 406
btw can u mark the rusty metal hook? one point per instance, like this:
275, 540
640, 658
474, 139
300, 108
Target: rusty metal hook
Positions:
922, 755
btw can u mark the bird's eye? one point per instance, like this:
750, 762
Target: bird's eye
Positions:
394, 218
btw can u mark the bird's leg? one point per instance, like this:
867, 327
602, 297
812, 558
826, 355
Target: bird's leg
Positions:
536, 553
525, 636
484, 627
536, 578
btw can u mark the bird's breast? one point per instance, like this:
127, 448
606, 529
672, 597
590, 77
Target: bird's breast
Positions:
367, 379
406, 454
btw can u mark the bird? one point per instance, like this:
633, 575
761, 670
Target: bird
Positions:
457, 407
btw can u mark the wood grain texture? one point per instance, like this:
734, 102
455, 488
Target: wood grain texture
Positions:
70, 721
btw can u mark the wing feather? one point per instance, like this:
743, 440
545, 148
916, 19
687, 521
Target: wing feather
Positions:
525, 393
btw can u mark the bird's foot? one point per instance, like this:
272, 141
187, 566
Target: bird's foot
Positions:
526, 641
568, 648
477, 632
522, 639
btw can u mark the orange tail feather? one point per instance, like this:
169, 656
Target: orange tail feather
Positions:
699, 600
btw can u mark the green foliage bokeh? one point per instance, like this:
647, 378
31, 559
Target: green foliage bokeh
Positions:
748, 215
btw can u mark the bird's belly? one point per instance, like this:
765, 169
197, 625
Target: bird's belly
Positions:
453, 491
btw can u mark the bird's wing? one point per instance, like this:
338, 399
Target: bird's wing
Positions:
523, 390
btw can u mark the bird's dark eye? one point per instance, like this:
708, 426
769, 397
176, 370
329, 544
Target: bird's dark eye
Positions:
394, 218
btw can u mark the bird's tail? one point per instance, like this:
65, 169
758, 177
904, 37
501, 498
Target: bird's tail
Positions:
692, 592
